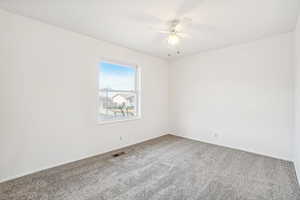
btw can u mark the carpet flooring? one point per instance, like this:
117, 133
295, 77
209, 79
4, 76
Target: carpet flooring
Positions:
166, 168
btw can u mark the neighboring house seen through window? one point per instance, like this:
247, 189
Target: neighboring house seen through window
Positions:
118, 92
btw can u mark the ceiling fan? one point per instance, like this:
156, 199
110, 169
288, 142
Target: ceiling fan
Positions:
174, 32
177, 29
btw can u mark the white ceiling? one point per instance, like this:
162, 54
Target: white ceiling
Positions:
128, 22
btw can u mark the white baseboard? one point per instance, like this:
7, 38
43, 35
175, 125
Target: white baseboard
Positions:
231, 146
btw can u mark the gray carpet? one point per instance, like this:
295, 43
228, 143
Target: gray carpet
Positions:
165, 168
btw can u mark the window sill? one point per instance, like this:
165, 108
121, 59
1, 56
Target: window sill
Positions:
118, 121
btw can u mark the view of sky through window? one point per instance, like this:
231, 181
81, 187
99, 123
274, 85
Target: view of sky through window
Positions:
116, 77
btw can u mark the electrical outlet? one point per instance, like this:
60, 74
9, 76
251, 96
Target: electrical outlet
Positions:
121, 138
216, 135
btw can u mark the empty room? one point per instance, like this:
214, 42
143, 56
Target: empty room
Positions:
149, 100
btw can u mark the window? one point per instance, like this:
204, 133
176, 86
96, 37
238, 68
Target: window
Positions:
118, 97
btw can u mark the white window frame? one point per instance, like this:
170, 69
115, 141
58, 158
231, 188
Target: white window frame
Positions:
137, 91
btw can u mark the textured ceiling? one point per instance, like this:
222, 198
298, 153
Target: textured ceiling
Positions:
133, 23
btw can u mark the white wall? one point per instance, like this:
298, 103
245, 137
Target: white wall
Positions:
296, 136
48, 92
242, 93
48, 84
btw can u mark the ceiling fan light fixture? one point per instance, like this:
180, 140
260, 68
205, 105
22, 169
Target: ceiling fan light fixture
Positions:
173, 39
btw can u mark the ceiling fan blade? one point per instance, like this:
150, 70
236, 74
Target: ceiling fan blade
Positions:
164, 31
201, 27
178, 27
185, 20
187, 6
183, 35
159, 30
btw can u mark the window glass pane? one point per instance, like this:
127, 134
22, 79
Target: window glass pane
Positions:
116, 77
117, 98
116, 105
